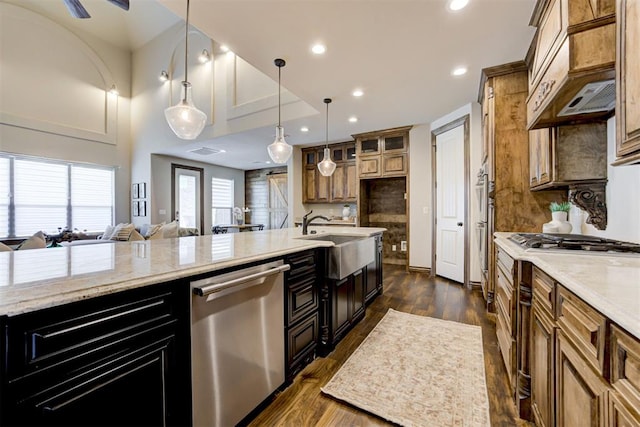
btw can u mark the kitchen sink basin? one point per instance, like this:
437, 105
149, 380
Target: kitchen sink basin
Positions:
348, 255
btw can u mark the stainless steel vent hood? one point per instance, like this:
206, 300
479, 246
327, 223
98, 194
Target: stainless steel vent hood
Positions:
592, 98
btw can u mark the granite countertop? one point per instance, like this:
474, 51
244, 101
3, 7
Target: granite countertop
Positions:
39, 278
608, 282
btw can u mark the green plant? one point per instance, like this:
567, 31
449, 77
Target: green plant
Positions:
560, 207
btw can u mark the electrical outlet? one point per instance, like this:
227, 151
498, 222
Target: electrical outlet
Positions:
425, 210
393, 248
403, 246
162, 212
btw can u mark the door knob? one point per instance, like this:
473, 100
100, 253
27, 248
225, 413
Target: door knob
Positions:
460, 224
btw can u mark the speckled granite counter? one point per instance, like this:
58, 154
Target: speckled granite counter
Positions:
39, 278
609, 283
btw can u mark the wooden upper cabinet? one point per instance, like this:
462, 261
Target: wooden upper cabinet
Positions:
574, 46
628, 82
567, 154
383, 154
337, 188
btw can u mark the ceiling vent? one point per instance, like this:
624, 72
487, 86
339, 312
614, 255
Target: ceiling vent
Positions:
204, 151
593, 98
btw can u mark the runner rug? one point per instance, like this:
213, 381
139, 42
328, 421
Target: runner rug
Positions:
417, 371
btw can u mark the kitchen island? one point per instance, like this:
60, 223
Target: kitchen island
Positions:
41, 278
568, 327
94, 333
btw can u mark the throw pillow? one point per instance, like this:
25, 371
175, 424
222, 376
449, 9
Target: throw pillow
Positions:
37, 241
170, 230
122, 232
152, 229
4, 248
135, 236
108, 232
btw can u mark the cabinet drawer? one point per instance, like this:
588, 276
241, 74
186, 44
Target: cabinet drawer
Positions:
302, 298
84, 331
302, 338
301, 264
625, 365
543, 294
584, 326
506, 263
504, 301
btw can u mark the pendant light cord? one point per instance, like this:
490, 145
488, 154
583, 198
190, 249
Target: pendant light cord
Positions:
279, 74
186, 44
326, 139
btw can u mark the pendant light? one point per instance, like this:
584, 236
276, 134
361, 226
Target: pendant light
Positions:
184, 118
327, 166
279, 150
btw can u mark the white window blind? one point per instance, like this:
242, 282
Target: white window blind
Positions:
41, 196
47, 195
91, 198
221, 201
4, 196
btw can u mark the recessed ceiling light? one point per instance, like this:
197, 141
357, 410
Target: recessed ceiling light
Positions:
319, 49
304, 129
457, 4
358, 92
223, 151
268, 162
224, 48
459, 71
353, 119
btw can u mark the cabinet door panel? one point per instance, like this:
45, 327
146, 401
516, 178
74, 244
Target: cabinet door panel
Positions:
352, 182
341, 306
628, 79
358, 293
309, 184
370, 166
394, 164
338, 183
581, 394
542, 368
323, 187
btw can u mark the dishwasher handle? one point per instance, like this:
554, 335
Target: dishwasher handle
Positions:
217, 287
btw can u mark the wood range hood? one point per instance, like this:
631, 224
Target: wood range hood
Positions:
571, 62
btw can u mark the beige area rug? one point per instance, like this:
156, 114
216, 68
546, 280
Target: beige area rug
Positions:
417, 371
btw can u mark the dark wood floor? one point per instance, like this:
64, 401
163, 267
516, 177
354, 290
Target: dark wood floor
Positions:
303, 404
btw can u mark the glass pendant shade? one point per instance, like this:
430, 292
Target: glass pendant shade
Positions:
279, 150
184, 119
327, 166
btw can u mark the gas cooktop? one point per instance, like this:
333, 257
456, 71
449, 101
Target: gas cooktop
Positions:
576, 242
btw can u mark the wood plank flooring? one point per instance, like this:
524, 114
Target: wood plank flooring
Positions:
303, 404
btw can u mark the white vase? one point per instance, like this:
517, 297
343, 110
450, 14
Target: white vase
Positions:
558, 224
345, 212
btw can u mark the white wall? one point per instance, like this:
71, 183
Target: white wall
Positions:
623, 198
420, 187
162, 190
233, 94
59, 112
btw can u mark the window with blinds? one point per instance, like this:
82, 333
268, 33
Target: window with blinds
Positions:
221, 201
49, 196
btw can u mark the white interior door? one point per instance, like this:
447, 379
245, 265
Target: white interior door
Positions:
187, 196
450, 226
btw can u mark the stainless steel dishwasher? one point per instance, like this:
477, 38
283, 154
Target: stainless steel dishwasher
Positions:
237, 342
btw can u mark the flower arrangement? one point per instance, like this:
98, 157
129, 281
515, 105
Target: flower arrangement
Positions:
560, 207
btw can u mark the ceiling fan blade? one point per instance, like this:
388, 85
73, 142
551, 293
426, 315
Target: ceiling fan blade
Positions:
76, 9
122, 4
